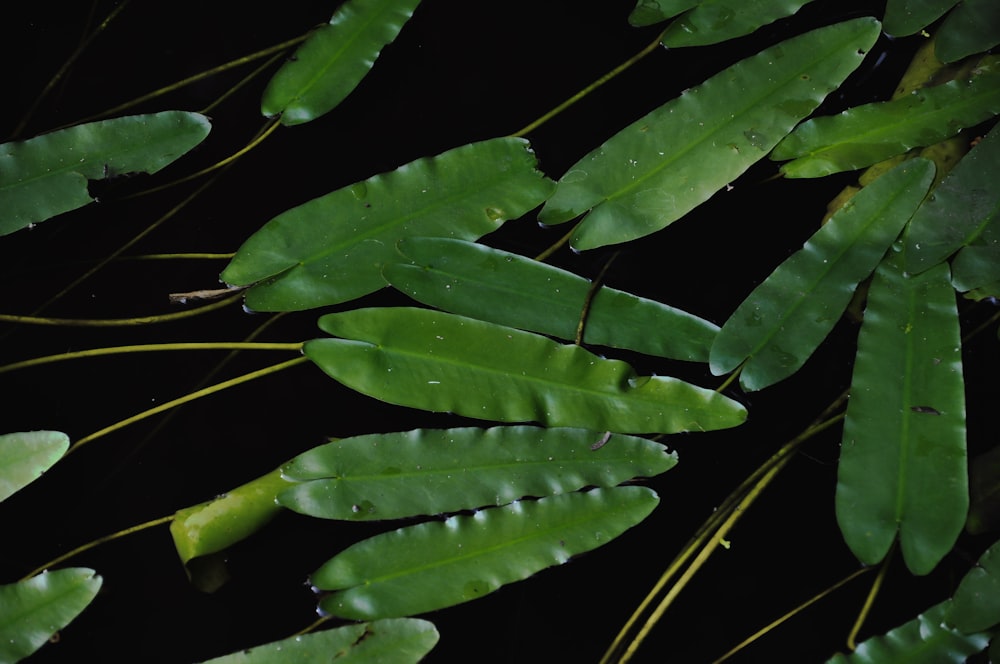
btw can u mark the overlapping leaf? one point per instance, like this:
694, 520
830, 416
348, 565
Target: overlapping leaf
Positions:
963, 212
972, 26
926, 639
660, 167
389, 641
784, 319
389, 476
976, 604
442, 362
331, 63
647, 12
903, 456
438, 564
332, 248
867, 134
47, 175
476, 281
33, 610
904, 17
25, 455
715, 21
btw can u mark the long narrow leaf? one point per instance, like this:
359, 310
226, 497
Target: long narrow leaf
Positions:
332, 248
715, 21
47, 175
972, 27
31, 611
903, 457
434, 565
926, 639
442, 362
867, 134
390, 641
665, 164
389, 476
331, 63
976, 604
476, 281
904, 17
25, 455
962, 207
784, 319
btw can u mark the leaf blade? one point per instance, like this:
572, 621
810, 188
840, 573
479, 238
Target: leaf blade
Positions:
903, 457
24, 456
331, 249
391, 476
438, 564
779, 325
442, 362
47, 175
334, 59
632, 190
500, 287
715, 21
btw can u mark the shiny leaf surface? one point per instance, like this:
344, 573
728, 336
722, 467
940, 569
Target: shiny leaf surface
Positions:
924, 640
390, 641
976, 604
389, 476
972, 26
660, 167
25, 455
904, 17
332, 249
903, 457
492, 285
784, 319
442, 362
47, 175
864, 135
331, 63
715, 21
438, 564
32, 611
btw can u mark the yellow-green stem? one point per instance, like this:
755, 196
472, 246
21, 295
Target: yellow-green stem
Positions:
119, 322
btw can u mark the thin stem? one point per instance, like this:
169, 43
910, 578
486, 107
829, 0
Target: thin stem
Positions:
266, 131
147, 348
232, 64
239, 380
791, 614
590, 88
187, 256
555, 247
242, 82
70, 61
869, 601
96, 542
595, 285
119, 322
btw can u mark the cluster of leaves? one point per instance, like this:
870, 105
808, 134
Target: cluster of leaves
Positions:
502, 337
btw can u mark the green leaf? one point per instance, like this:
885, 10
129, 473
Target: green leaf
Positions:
25, 455
31, 611
647, 12
332, 249
714, 21
389, 476
972, 27
217, 524
984, 492
784, 319
442, 362
976, 604
904, 17
903, 456
977, 267
665, 164
962, 207
867, 134
47, 175
331, 63
477, 281
439, 564
390, 641
924, 640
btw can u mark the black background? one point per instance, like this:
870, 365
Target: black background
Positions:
459, 72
